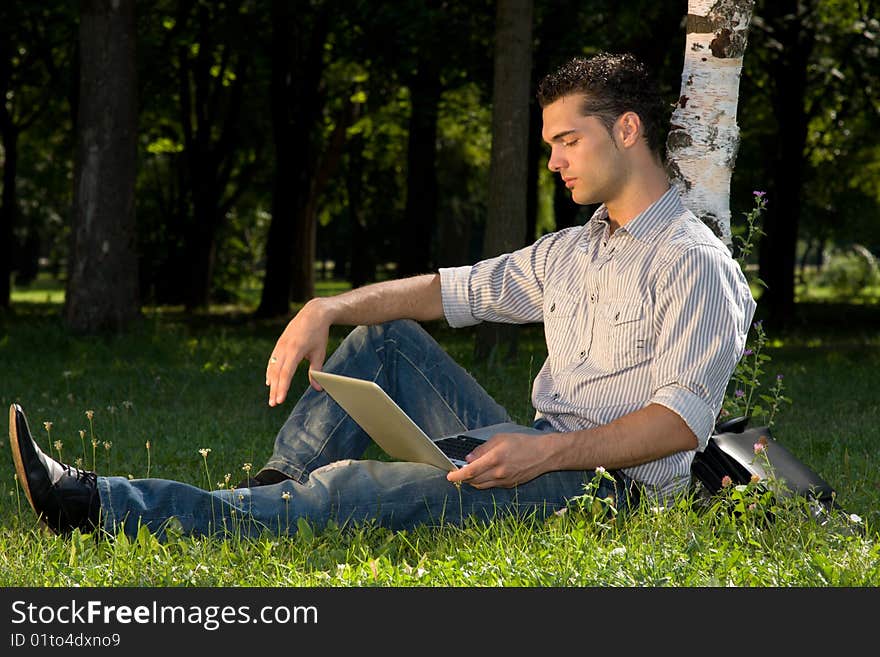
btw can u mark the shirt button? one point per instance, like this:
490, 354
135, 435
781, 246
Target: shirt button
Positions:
583, 353
552, 306
592, 297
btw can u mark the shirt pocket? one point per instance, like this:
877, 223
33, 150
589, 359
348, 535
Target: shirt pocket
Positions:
561, 324
628, 337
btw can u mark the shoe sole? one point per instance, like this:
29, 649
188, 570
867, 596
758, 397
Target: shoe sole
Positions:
19, 464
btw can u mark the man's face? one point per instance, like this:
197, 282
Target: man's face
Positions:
582, 152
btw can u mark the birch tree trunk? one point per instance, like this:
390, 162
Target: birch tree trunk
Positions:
704, 136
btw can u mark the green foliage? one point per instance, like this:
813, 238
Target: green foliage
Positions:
848, 272
832, 45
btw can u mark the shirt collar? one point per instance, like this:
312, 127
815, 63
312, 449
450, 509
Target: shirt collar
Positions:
656, 216
594, 227
643, 226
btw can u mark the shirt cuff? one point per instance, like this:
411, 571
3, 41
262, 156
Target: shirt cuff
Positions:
693, 410
455, 292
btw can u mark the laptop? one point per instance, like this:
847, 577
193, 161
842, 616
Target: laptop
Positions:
396, 433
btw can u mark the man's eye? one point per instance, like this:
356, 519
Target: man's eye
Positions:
570, 143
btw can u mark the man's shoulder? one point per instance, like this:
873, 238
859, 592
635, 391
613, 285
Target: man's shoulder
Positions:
561, 240
685, 232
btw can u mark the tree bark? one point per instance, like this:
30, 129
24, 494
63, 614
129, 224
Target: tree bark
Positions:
297, 67
534, 164
420, 213
704, 136
211, 138
778, 247
508, 169
9, 202
102, 288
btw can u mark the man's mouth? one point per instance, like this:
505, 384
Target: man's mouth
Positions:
569, 182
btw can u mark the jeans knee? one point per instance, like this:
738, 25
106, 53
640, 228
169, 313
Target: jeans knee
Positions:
396, 335
394, 329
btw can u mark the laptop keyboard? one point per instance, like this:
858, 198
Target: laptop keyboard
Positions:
457, 447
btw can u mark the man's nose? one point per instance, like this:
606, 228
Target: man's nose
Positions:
555, 162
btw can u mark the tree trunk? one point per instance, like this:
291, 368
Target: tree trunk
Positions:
102, 288
704, 137
211, 139
777, 255
534, 163
9, 200
286, 188
8, 204
508, 169
201, 235
361, 264
420, 213
297, 67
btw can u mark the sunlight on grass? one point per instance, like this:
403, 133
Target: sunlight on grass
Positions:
48, 291
35, 296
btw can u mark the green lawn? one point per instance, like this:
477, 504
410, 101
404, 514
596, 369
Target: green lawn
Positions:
185, 383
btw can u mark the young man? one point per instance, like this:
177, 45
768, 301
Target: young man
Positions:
645, 316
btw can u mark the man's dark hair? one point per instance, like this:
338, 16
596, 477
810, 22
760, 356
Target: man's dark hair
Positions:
610, 85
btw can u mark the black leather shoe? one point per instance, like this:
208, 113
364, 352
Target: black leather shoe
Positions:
264, 477
65, 498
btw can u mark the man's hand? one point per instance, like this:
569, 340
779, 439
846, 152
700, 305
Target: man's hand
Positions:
305, 337
504, 461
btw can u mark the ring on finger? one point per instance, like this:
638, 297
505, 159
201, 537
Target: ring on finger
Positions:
273, 359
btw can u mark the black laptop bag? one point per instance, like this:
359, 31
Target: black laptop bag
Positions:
731, 452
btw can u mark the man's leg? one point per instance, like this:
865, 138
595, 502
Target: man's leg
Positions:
391, 494
403, 359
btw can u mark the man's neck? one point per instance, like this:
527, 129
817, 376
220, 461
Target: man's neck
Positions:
638, 194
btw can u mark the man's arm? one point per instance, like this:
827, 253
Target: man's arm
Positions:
306, 335
510, 459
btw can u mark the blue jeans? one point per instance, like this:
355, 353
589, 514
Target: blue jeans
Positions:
319, 447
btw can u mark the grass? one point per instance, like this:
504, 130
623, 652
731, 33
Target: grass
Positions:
186, 383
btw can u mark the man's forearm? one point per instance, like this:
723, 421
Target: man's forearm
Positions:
416, 297
644, 435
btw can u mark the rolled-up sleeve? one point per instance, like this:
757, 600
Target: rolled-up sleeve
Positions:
454, 285
508, 288
703, 311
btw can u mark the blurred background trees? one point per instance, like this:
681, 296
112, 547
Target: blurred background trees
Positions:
280, 142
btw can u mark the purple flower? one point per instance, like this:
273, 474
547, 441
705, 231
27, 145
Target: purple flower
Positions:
739, 394
748, 352
758, 324
779, 377
759, 194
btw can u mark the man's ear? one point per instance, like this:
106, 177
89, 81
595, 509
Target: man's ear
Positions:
629, 129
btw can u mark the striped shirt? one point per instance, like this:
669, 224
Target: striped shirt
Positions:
656, 313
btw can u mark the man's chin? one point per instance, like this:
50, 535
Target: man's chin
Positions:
582, 199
